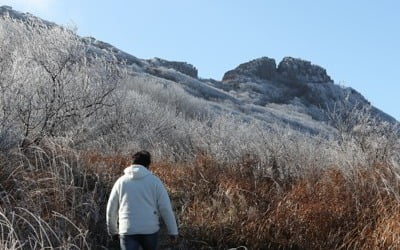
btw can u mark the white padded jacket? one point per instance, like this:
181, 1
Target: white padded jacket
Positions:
136, 201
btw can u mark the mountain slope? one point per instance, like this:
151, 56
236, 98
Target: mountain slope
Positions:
295, 92
248, 161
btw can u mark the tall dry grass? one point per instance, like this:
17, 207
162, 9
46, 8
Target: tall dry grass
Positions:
227, 206
54, 197
50, 200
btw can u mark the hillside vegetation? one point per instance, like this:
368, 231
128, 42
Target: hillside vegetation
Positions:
71, 114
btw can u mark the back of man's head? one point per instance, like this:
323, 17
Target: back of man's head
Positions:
142, 158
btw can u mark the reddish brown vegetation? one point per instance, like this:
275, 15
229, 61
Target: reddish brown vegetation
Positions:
222, 206
227, 206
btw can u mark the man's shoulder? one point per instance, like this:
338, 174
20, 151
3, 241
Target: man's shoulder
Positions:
153, 178
122, 178
150, 177
156, 178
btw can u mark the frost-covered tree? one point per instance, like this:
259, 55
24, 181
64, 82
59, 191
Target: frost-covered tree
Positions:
50, 80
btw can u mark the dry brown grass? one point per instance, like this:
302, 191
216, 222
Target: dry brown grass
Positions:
227, 206
218, 206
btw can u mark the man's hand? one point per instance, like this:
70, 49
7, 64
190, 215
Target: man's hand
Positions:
173, 239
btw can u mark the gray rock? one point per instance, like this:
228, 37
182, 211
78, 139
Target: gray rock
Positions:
183, 67
289, 70
263, 68
297, 69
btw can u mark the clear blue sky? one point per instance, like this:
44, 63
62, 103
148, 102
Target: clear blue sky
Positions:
357, 41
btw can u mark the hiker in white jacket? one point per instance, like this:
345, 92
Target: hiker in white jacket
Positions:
136, 201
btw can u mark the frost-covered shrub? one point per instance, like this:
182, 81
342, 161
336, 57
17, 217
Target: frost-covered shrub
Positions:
167, 93
49, 82
357, 128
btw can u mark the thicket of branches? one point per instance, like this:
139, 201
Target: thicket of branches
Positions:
71, 114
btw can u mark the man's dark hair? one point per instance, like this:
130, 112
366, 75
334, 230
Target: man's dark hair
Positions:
142, 158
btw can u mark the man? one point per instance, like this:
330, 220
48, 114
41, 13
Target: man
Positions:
136, 201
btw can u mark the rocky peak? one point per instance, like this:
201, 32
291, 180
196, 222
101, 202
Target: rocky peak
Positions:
304, 71
264, 68
289, 69
183, 67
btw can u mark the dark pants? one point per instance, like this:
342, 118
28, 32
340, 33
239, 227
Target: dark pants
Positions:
133, 242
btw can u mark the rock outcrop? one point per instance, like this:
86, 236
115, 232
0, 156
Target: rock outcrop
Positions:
263, 68
289, 69
183, 67
301, 70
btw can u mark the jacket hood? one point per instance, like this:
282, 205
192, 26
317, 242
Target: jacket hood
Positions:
136, 171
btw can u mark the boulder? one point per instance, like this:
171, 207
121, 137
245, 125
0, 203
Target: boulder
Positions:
183, 67
300, 70
263, 68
